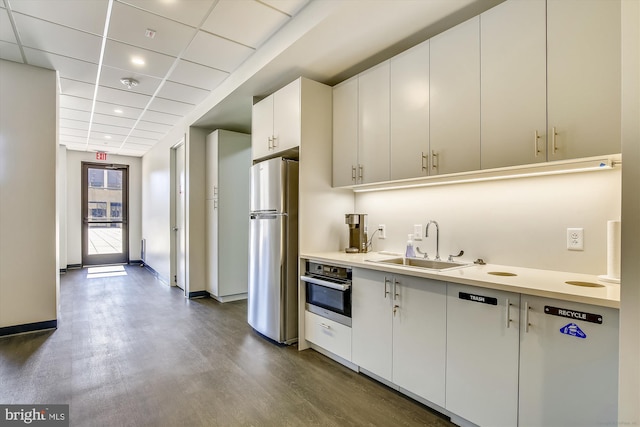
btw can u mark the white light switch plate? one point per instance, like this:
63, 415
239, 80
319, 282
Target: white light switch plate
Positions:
575, 239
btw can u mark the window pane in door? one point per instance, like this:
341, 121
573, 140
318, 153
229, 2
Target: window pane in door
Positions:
105, 238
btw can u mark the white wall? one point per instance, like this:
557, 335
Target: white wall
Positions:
519, 222
28, 156
74, 202
629, 392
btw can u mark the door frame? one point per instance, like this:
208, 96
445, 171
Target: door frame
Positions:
175, 227
119, 258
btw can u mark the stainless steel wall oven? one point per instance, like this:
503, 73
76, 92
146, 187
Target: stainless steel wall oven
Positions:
328, 290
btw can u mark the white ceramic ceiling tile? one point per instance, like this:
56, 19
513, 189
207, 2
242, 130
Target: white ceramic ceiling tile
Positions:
129, 24
136, 133
197, 75
110, 77
162, 118
141, 141
73, 124
119, 55
65, 113
117, 110
170, 107
189, 12
183, 93
75, 103
248, 22
76, 88
217, 52
72, 132
10, 52
110, 129
68, 68
6, 30
57, 39
153, 127
122, 97
290, 7
123, 122
81, 14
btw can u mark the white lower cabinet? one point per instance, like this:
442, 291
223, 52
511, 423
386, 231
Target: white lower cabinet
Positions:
330, 335
568, 364
399, 331
482, 355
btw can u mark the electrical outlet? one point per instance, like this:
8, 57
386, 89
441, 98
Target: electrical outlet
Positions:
382, 231
575, 239
417, 232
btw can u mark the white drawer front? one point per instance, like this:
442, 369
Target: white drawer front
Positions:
330, 335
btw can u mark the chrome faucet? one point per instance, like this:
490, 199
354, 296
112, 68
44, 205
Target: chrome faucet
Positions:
426, 234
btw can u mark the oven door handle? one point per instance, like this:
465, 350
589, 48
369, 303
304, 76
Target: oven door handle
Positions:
325, 283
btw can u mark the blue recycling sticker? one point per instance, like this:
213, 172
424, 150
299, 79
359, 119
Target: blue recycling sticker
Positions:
573, 330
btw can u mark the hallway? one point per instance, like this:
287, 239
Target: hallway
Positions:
131, 351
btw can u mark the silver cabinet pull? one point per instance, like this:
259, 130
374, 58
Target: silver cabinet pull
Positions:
215, 190
395, 289
324, 325
386, 292
508, 304
434, 160
215, 204
395, 309
270, 146
554, 143
353, 173
360, 172
423, 161
275, 141
526, 317
536, 149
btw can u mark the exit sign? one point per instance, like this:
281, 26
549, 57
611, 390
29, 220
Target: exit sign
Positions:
101, 155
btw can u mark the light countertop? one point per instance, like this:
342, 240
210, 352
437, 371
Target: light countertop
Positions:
530, 281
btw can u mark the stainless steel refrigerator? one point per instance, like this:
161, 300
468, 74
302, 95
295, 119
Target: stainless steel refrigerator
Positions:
273, 250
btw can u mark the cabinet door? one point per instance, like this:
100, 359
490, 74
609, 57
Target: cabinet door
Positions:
568, 366
345, 132
419, 337
373, 131
482, 355
409, 119
286, 117
262, 128
454, 93
584, 77
371, 300
513, 84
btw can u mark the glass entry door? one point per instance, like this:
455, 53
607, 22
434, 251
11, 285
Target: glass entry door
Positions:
105, 197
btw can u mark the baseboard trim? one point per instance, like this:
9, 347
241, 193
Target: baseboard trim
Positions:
74, 266
228, 298
155, 274
136, 261
198, 294
28, 327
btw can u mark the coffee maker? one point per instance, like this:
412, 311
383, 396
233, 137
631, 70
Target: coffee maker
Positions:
357, 233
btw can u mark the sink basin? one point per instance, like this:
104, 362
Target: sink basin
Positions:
421, 263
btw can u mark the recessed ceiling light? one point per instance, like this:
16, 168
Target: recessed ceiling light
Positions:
107, 137
118, 111
137, 60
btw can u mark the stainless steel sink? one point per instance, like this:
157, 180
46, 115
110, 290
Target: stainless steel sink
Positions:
421, 263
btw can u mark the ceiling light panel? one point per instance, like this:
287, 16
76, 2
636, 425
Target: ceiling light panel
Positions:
10, 52
110, 77
129, 25
57, 39
258, 21
109, 110
81, 15
180, 92
68, 68
100, 137
119, 55
188, 12
197, 75
216, 52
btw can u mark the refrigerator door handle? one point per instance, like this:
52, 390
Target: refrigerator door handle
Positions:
267, 215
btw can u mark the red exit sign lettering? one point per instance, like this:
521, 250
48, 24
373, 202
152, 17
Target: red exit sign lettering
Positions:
101, 155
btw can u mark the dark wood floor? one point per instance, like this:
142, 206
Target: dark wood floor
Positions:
130, 351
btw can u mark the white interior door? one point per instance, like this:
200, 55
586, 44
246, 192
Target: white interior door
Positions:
180, 183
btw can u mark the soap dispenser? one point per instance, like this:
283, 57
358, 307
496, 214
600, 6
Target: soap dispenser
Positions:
409, 253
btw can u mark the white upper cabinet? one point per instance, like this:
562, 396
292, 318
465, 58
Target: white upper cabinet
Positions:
455, 99
513, 84
409, 115
373, 130
345, 133
275, 125
584, 77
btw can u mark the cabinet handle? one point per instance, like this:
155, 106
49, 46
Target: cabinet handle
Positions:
275, 141
395, 289
395, 309
434, 160
215, 204
324, 325
270, 146
215, 190
423, 161
353, 173
536, 137
508, 303
554, 143
526, 317
386, 292
360, 172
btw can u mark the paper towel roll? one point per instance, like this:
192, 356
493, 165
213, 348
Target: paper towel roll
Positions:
613, 249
